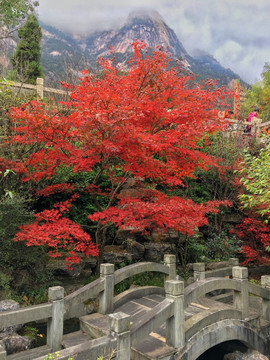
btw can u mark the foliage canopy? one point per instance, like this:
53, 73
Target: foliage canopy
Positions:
141, 130
26, 59
13, 13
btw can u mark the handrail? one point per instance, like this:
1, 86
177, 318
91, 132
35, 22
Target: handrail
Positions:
38, 87
86, 292
135, 269
259, 291
170, 310
207, 317
202, 287
24, 315
152, 320
136, 293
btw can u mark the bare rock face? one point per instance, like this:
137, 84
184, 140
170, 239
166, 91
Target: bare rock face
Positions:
147, 26
249, 355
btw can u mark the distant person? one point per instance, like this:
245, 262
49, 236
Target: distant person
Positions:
251, 115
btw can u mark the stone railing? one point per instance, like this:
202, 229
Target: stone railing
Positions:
104, 286
200, 272
39, 87
59, 307
239, 126
241, 288
122, 334
52, 311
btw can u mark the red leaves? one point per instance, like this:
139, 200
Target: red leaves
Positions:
144, 123
158, 211
58, 233
149, 119
256, 237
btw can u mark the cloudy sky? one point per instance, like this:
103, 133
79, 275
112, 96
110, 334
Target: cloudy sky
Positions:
235, 32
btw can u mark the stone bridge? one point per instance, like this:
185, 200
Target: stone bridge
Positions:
170, 323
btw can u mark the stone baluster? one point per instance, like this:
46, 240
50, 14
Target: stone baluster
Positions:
170, 261
175, 326
55, 324
241, 298
120, 327
106, 296
199, 271
233, 262
265, 280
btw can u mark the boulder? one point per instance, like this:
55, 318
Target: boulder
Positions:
117, 258
15, 343
135, 249
155, 251
122, 236
90, 262
58, 267
9, 305
9, 340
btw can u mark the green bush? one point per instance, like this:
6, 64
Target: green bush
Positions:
23, 269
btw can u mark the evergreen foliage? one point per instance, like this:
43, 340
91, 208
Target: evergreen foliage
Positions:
13, 13
26, 60
259, 96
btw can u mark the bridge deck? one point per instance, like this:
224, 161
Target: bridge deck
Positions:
152, 347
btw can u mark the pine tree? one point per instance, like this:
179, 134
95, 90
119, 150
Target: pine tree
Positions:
26, 60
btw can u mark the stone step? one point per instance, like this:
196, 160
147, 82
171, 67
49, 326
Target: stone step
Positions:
153, 347
75, 338
227, 297
95, 325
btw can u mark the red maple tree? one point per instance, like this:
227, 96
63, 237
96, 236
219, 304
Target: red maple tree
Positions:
144, 124
255, 235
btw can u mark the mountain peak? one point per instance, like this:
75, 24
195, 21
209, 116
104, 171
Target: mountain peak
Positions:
144, 25
148, 26
144, 15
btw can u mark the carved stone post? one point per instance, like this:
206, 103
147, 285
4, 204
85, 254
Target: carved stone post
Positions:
175, 326
241, 298
55, 324
170, 261
265, 280
106, 296
120, 327
40, 87
199, 271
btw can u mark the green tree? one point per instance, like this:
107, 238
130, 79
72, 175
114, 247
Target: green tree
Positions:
255, 171
259, 94
13, 13
26, 60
